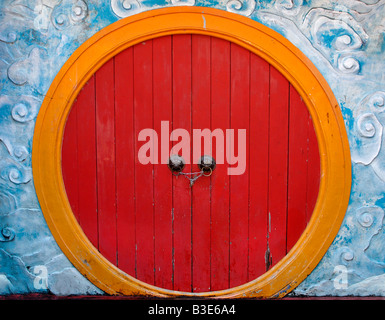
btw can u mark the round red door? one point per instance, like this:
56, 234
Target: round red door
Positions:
226, 228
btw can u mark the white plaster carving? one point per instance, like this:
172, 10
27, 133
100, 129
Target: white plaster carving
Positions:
370, 217
183, 2
370, 120
289, 7
369, 131
69, 12
125, 8
244, 7
29, 69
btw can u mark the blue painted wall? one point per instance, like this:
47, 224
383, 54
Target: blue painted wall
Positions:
345, 39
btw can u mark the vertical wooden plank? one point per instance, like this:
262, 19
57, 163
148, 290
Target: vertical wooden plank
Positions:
258, 164
162, 90
313, 174
278, 158
87, 161
105, 135
181, 187
125, 161
201, 189
298, 145
143, 117
239, 184
70, 160
220, 119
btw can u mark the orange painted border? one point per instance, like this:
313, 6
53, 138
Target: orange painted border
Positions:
328, 122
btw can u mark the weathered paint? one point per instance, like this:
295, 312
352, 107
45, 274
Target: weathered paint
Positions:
344, 40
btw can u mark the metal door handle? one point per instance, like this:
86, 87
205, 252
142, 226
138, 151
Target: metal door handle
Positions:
206, 165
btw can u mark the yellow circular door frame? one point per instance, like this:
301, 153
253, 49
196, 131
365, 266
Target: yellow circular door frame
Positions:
328, 122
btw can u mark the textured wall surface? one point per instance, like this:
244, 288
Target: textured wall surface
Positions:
345, 40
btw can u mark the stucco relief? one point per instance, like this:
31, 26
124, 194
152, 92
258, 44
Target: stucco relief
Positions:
125, 8
344, 39
353, 260
245, 7
368, 130
335, 30
369, 133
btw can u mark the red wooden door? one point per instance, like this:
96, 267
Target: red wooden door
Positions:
223, 231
